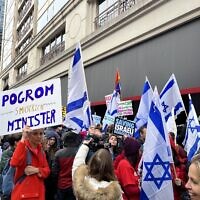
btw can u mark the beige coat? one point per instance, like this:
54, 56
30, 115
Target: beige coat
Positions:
87, 188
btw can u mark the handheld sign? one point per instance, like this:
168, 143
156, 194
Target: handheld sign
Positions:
37, 105
108, 99
125, 108
124, 127
96, 119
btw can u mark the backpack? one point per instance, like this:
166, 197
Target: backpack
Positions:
8, 174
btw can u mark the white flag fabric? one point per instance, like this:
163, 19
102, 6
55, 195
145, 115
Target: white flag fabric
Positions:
143, 110
156, 174
78, 115
112, 106
171, 124
192, 137
171, 97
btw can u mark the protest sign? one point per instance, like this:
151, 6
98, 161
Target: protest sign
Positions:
64, 112
37, 105
124, 127
125, 108
108, 99
96, 119
108, 119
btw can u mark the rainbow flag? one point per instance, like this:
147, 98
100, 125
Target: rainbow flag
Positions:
117, 83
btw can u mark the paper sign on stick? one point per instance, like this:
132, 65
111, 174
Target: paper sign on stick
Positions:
37, 105
125, 108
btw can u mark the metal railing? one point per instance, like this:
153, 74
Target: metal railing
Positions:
53, 53
21, 76
23, 32
113, 11
23, 12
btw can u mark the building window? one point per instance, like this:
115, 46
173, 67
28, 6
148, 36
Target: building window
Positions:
23, 45
22, 71
24, 9
25, 27
50, 12
53, 48
109, 9
5, 83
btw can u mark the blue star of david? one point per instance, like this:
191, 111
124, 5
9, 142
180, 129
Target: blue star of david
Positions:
165, 107
190, 127
157, 161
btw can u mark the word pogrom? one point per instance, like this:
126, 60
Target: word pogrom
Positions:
27, 95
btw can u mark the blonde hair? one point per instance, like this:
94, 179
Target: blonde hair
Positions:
196, 161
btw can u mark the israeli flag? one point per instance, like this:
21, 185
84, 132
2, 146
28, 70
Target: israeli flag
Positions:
156, 174
192, 137
171, 97
143, 110
78, 115
111, 111
171, 124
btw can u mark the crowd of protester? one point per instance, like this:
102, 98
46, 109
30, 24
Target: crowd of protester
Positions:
90, 165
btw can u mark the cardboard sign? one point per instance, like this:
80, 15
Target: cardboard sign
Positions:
96, 119
124, 127
108, 119
64, 112
37, 105
108, 99
125, 108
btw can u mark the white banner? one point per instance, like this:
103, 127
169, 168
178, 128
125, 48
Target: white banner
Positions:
96, 119
125, 108
108, 99
37, 105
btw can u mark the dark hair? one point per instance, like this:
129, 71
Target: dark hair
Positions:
142, 128
71, 139
14, 138
101, 166
131, 150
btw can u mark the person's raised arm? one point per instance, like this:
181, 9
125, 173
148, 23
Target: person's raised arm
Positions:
81, 155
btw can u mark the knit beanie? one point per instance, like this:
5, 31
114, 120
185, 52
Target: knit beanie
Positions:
131, 146
51, 133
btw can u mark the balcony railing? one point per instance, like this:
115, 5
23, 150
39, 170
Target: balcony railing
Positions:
24, 31
24, 11
113, 11
21, 76
53, 53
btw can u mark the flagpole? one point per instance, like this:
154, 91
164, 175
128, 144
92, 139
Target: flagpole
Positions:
174, 170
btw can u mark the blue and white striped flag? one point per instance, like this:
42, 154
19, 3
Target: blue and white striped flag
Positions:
143, 110
156, 174
78, 115
111, 111
192, 137
171, 97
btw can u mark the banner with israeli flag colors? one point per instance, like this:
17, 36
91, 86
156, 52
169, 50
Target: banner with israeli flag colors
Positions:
112, 105
171, 97
192, 137
111, 111
143, 110
171, 124
78, 115
156, 174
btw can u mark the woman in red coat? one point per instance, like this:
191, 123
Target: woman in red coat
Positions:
178, 169
32, 186
126, 170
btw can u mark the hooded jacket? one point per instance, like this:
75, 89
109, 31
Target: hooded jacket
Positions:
88, 188
32, 187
